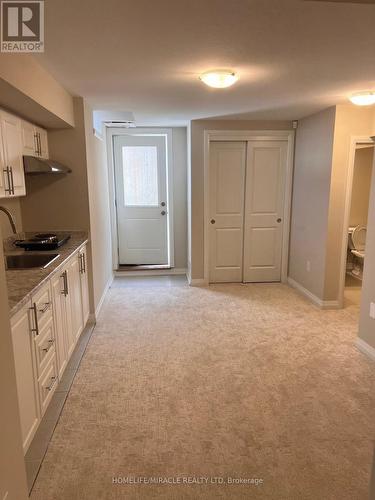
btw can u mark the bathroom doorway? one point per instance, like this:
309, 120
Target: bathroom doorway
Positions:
358, 195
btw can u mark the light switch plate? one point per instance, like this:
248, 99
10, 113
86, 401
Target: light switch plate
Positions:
372, 310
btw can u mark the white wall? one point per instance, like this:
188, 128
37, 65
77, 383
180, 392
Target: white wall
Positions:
179, 139
367, 324
100, 219
12, 467
310, 204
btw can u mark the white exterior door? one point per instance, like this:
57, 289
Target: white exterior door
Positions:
141, 199
227, 186
264, 209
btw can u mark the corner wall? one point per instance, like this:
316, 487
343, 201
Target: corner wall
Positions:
367, 324
310, 202
100, 219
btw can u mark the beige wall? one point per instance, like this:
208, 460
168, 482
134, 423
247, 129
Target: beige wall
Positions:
311, 188
179, 141
14, 206
12, 467
28, 89
100, 220
60, 201
367, 324
197, 179
361, 186
350, 121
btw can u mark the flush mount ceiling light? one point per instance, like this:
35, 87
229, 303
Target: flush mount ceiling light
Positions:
363, 98
219, 78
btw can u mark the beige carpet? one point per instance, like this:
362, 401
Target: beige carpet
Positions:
228, 381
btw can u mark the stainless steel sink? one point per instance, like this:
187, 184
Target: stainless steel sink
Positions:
30, 261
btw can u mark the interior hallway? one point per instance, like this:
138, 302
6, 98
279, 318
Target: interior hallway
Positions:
231, 380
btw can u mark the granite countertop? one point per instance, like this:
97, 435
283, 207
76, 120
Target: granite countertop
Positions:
22, 283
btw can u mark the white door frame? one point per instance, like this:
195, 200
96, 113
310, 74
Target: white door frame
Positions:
150, 131
354, 140
250, 135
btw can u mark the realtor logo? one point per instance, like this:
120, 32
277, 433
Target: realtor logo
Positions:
22, 26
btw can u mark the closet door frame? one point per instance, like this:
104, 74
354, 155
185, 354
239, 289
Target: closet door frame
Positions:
250, 135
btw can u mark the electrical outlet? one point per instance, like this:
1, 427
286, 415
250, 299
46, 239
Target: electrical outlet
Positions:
372, 310
308, 266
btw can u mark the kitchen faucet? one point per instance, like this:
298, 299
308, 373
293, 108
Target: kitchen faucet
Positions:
10, 217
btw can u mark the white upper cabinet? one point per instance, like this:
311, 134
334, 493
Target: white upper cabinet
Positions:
34, 140
13, 177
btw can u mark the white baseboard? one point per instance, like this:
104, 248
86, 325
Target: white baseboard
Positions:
322, 304
100, 304
365, 348
174, 271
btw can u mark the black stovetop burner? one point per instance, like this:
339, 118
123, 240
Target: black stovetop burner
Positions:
43, 241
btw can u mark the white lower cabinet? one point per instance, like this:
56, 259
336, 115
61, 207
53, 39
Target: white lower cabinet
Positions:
44, 334
24, 361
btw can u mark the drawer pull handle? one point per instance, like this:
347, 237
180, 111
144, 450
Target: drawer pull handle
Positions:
47, 305
51, 342
36, 326
53, 380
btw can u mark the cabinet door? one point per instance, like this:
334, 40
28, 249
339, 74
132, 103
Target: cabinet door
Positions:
25, 375
59, 313
43, 142
12, 142
84, 285
28, 139
75, 296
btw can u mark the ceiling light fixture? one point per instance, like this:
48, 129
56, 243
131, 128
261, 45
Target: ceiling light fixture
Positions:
219, 78
363, 98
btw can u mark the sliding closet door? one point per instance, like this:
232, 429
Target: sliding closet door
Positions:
264, 208
227, 180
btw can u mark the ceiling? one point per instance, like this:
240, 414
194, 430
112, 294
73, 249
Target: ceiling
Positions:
293, 57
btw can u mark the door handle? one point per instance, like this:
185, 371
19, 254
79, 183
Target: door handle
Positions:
278, 220
163, 212
162, 203
212, 221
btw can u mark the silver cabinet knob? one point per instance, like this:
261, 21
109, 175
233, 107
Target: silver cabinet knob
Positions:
162, 203
163, 212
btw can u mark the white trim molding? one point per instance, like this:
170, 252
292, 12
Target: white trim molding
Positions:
196, 281
174, 271
365, 348
250, 135
141, 131
322, 304
354, 140
101, 301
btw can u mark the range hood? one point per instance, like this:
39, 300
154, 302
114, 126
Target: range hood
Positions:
34, 166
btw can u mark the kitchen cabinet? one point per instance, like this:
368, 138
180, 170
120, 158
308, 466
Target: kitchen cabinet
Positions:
34, 140
82, 255
44, 334
13, 182
24, 359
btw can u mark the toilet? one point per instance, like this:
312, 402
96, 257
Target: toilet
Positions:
357, 241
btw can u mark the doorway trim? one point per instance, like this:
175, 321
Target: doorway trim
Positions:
250, 135
141, 131
354, 140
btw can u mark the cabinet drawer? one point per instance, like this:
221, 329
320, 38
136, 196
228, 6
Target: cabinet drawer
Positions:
42, 302
44, 345
47, 384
